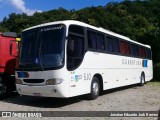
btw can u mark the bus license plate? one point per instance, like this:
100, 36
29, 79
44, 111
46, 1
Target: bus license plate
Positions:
37, 94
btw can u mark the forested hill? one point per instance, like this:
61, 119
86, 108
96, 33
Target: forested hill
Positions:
139, 20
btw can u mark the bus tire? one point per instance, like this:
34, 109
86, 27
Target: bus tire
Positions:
142, 79
95, 89
3, 89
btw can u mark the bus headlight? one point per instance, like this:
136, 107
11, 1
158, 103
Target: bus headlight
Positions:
54, 81
19, 81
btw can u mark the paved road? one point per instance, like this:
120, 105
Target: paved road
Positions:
132, 98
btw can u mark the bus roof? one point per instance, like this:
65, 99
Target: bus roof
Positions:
69, 22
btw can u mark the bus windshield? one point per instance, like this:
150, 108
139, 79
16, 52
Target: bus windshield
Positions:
42, 47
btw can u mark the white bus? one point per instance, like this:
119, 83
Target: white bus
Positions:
71, 58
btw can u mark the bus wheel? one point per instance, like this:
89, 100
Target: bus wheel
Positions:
95, 89
142, 79
3, 89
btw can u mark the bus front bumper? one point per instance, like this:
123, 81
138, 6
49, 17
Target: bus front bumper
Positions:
42, 91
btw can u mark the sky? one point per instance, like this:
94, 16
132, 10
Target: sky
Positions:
31, 6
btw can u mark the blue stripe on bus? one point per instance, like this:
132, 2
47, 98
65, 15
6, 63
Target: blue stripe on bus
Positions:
145, 63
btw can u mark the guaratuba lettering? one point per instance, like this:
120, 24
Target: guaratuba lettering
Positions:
131, 62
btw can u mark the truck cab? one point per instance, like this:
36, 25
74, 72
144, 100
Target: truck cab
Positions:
8, 58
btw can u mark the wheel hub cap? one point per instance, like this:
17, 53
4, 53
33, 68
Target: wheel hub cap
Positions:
95, 88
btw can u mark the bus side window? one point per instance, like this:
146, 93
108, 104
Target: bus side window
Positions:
109, 44
100, 42
127, 46
76, 29
122, 47
148, 51
75, 51
116, 45
134, 50
142, 52
70, 47
75, 47
92, 40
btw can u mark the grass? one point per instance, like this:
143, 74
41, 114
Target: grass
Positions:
153, 83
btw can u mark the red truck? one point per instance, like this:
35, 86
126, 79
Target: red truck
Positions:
8, 58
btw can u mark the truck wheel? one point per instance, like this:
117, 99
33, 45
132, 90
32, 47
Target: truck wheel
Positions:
95, 89
3, 89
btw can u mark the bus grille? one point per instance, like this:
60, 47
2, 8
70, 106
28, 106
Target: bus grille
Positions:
33, 80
